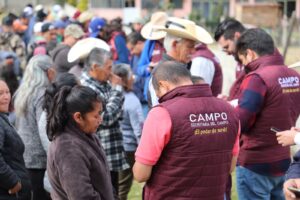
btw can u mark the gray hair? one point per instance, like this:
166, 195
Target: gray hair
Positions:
35, 78
123, 70
168, 41
96, 56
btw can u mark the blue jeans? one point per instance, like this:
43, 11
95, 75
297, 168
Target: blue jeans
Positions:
252, 186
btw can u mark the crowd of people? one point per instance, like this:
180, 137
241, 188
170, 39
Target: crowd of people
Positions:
85, 108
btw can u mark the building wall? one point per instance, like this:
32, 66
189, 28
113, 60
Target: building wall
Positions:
110, 13
18, 5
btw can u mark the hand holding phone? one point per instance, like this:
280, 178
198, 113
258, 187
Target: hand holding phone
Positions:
294, 190
275, 130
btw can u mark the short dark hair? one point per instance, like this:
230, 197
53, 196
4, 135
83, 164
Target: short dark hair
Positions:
170, 71
257, 40
62, 79
134, 38
123, 71
68, 101
228, 28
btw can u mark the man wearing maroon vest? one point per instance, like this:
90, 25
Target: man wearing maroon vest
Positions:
206, 65
187, 142
226, 34
269, 97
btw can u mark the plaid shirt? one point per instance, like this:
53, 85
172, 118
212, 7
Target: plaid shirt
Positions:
251, 101
109, 131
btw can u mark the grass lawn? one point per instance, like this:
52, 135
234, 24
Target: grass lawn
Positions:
136, 191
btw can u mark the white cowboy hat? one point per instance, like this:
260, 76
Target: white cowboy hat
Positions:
85, 16
187, 29
149, 30
295, 66
83, 47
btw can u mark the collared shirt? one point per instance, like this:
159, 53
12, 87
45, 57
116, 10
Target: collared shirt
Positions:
109, 131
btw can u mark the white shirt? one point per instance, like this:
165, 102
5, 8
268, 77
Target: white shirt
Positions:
154, 98
297, 138
204, 68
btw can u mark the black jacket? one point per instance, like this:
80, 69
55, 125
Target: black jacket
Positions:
12, 166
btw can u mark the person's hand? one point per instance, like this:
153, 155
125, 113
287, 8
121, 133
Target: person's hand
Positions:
290, 183
222, 96
9, 61
15, 189
115, 80
286, 138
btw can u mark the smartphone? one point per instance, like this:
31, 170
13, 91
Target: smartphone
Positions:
275, 130
296, 191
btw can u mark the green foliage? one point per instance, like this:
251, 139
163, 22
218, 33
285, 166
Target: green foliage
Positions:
72, 2
60, 2
83, 5
195, 16
216, 12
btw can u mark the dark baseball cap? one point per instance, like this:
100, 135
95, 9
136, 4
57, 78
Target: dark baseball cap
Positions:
47, 27
7, 21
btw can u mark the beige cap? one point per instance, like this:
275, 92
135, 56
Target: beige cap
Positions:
157, 19
187, 29
83, 47
74, 30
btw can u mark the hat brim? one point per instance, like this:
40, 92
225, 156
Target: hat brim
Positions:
150, 32
295, 66
83, 47
201, 35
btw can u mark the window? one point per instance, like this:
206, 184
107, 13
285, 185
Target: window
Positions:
112, 3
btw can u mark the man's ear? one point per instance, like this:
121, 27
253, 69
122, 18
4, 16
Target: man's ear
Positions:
174, 43
77, 117
237, 35
253, 55
93, 67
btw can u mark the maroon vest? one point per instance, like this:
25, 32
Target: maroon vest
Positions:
195, 163
217, 83
281, 109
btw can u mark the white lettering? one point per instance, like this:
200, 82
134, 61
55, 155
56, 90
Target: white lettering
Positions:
292, 81
193, 118
207, 117
224, 116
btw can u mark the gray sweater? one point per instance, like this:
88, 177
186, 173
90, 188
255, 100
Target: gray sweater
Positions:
27, 125
77, 167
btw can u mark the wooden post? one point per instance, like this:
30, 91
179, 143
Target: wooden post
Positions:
291, 26
298, 9
232, 5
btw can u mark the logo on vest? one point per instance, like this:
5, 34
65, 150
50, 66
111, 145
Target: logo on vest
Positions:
208, 119
292, 81
209, 123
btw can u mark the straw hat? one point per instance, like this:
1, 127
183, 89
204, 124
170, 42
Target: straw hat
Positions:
187, 29
85, 16
149, 30
83, 47
295, 66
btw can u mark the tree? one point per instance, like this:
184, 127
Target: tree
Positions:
83, 5
72, 2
